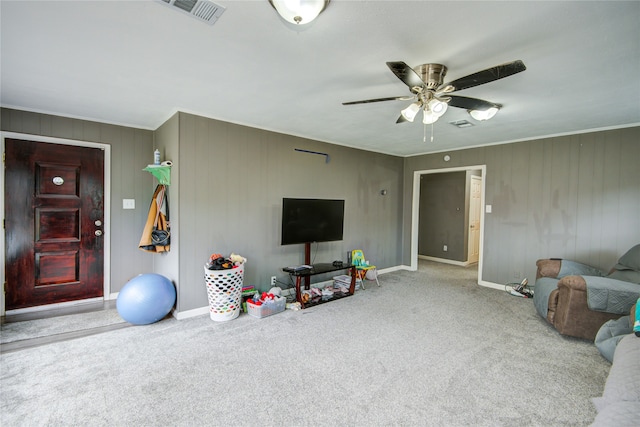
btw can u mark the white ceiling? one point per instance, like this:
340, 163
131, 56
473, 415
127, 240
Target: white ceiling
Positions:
138, 62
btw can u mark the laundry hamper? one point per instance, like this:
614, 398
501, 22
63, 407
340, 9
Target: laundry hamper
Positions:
224, 289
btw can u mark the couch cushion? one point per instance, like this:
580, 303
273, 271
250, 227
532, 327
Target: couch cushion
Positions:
632, 276
610, 334
630, 260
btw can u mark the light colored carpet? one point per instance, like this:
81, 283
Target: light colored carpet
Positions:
428, 348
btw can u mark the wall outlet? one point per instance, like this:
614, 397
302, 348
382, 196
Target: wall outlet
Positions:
273, 280
445, 248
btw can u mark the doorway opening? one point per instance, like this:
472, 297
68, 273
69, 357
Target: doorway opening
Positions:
472, 239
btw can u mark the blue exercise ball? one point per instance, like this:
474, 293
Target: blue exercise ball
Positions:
146, 299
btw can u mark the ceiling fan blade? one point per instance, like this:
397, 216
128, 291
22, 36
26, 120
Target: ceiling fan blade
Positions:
471, 103
486, 76
406, 74
367, 101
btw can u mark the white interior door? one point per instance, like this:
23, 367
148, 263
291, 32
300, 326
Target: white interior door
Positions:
474, 219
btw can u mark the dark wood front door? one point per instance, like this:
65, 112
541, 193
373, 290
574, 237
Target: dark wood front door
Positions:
53, 223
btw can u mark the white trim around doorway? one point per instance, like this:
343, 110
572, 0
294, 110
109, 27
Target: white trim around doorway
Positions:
107, 208
415, 213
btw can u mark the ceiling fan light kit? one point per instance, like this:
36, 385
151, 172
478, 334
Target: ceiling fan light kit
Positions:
481, 115
429, 117
299, 12
425, 83
411, 111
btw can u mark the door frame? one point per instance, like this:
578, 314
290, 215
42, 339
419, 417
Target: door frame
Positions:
107, 217
415, 211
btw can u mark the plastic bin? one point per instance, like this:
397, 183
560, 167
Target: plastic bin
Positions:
267, 308
224, 289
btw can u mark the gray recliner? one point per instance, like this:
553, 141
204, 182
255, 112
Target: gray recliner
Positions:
577, 299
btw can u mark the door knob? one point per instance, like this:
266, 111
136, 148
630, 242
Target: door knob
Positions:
98, 233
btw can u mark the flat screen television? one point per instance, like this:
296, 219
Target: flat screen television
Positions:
311, 220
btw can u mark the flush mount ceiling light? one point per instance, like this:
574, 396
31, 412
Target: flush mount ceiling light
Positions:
299, 12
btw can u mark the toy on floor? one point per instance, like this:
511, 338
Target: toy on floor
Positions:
146, 299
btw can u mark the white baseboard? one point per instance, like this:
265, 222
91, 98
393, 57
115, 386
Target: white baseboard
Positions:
190, 313
392, 269
446, 261
492, 285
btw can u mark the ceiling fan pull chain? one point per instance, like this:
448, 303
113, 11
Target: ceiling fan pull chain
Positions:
424, 138
431, 132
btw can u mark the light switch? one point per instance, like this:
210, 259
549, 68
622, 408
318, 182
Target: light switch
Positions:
128, 203
487, 208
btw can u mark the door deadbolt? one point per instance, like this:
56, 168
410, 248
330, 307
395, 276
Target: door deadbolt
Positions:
98, 223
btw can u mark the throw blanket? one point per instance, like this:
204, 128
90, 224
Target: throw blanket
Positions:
611, 295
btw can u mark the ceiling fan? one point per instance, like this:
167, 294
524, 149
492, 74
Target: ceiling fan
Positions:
431, 96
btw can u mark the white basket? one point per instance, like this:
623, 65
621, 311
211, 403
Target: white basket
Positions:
224, 288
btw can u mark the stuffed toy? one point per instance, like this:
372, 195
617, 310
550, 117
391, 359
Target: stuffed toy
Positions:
214, 257
237, 259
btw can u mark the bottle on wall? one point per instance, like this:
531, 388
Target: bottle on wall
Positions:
156, 157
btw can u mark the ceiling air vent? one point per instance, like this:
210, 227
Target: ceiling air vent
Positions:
462, 123
206, 11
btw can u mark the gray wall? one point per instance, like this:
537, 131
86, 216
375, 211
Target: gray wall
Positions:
131, 150
168, 263
231, 181
575, 197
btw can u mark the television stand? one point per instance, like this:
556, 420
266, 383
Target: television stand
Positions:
320, 269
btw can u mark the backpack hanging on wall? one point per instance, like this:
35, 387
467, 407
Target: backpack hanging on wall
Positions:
156, 236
